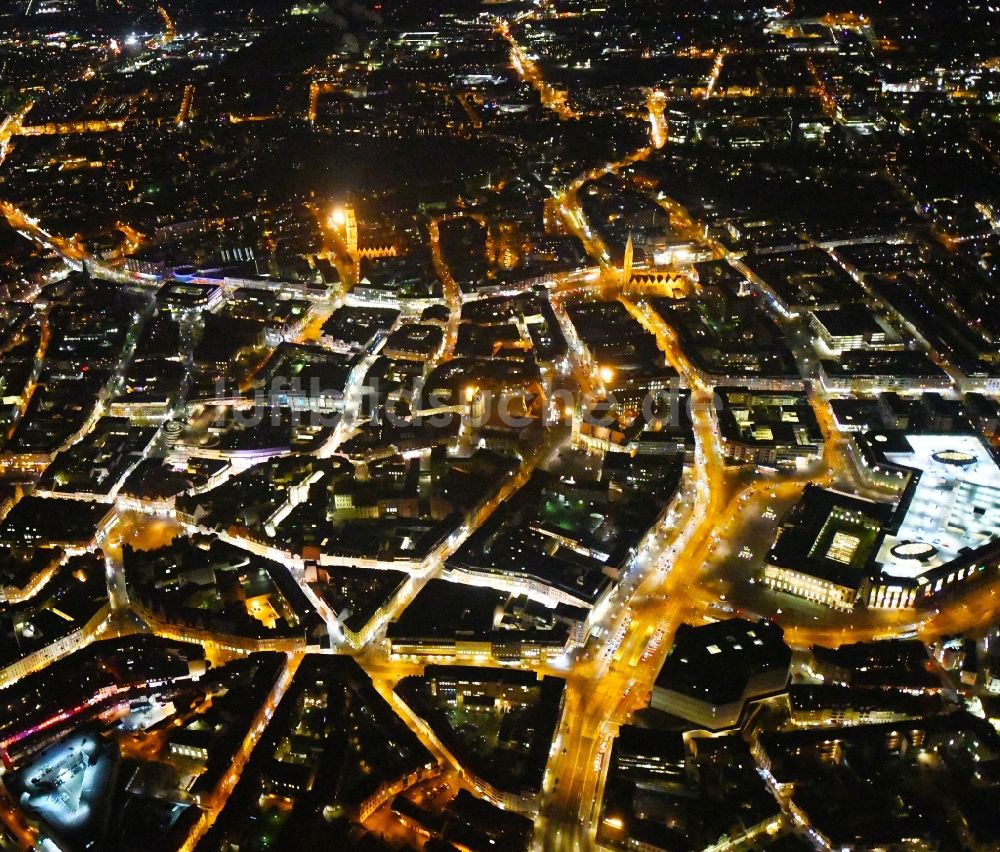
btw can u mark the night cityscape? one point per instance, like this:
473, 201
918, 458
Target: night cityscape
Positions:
511, 425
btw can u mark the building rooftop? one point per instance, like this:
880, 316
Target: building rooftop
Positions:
831, 535
714, 663
954, 508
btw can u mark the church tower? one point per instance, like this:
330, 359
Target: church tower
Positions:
627, 263
351, 231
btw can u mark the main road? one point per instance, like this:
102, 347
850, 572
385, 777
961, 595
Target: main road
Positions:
605, 689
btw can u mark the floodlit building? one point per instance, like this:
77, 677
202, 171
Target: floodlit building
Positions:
944, 532
825, 550
939, 531
768, 428
851, 326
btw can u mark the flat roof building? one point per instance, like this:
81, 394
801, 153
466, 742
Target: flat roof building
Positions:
825, 550
713, 670
944, 531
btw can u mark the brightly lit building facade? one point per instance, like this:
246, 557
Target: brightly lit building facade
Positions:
939, 533
944, 532
826, 548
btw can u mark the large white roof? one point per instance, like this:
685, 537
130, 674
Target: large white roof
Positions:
956, 503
